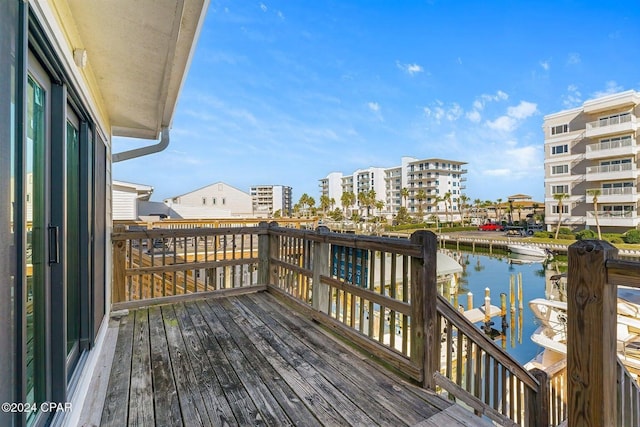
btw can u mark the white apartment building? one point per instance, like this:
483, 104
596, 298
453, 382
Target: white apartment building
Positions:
434, 177
268, 199
593, 150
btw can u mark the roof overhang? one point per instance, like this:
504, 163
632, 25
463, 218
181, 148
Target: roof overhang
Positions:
139, 52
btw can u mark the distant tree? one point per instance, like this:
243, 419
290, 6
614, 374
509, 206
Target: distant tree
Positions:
405, 195
594, 193
336, 214
448, 206
277, 214
498, 210
421, 196
402, 217
518, 207
325, 203
559, 197
347, 200
379, 206
463, 206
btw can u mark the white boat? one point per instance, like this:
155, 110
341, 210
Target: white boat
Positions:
551, 335
531, 250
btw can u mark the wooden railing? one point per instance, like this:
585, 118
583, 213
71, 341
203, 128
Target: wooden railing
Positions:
600, 391
378, 293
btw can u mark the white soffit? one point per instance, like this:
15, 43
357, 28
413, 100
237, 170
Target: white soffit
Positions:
139, 52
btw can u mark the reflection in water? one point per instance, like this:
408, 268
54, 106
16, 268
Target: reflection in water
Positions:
496, 272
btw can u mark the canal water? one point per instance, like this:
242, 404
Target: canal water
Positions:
496, 272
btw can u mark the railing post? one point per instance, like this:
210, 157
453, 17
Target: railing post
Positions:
591, 335
264, 254
425, 337
118, 293
539, 417
320, 291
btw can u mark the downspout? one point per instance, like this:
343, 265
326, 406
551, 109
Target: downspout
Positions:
143, 151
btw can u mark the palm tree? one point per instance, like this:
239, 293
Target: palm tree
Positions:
498, 210
325, 203
405, 195
559, 197
518, 207
421, 196
594, 193
462, 206
448, 206
363, 201
347, 200
380, 206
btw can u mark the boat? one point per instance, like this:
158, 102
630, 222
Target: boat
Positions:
531, 250
551, 335
516, 258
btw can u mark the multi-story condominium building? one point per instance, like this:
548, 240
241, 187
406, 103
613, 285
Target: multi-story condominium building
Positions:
434, 184
592, 150
426, 182
331, 186
268, 199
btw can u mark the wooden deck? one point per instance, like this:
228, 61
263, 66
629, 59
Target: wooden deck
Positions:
248, 360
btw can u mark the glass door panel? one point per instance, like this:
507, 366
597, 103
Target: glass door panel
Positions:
35, 249
73, 242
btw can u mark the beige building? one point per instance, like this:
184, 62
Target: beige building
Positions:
591, 150
217, 200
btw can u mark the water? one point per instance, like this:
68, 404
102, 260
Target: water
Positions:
494, 272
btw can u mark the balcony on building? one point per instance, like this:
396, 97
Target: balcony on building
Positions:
610, 218
613, 195
611, 172
613, 147
618, 123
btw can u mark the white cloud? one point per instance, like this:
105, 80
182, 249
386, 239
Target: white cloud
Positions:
523, 110
474, 116
376, 109
439, 111
454, 112
611, 87
573, 98
263, 7
514, 116
497, 172
545, 65
574, 58
502, 123
410, 69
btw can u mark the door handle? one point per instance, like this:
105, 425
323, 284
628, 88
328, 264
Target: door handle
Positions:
54, 249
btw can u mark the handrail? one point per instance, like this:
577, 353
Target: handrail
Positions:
599, 393
379, 293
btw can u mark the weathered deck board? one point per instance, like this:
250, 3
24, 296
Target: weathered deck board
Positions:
248, 360
115, 409
140, 393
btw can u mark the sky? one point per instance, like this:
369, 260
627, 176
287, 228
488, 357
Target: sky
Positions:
286, 92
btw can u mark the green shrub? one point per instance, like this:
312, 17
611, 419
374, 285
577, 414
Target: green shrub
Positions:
612, 237
631, 236
566, 231
543, 234
563, 236
586, 234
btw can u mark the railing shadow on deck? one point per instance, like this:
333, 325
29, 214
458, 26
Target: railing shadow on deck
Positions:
378, 293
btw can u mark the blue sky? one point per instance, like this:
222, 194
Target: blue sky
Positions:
285, 92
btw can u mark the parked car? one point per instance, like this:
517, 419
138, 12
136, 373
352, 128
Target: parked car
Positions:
491, 226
